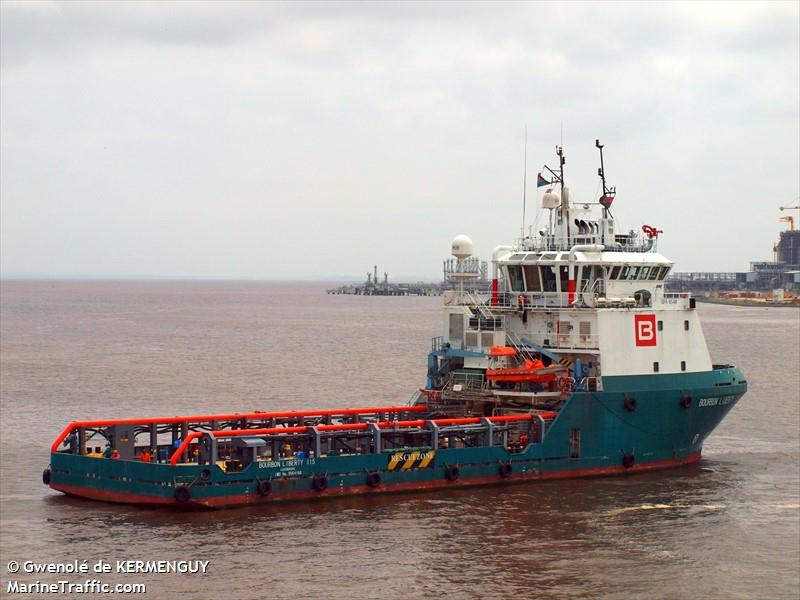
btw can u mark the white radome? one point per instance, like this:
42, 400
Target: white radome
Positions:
461, 247
550, 199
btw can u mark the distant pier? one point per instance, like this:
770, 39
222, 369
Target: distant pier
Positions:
373, 287
392, 289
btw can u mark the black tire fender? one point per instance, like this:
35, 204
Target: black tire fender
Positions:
628, 460
451, 473
320, 483
630, 403
182, 494
205, 474
373, 479
686, 401
46, 475
264, 488
505, 470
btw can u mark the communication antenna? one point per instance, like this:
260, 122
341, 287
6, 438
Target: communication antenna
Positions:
561, 160
524, 184
557, 177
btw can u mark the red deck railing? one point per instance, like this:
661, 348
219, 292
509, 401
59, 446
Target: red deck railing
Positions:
227, 417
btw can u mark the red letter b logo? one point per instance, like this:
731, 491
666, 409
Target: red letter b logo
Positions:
645, 327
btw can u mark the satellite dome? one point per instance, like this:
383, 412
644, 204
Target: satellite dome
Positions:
550, 199
461, 247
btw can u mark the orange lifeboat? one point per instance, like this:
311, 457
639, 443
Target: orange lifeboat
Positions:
534, 371
495, 351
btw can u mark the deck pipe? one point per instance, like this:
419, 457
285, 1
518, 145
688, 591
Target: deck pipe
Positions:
348, 427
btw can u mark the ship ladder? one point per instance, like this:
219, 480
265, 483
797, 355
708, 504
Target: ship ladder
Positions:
527, 345
482, 308
521, 349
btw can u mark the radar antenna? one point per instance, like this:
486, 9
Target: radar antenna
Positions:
524, 185
558, 177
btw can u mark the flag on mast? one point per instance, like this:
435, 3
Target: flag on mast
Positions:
541, 181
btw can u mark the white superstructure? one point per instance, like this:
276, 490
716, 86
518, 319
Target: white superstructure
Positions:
582, 291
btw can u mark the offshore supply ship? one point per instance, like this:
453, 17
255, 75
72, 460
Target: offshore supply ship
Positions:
577, 362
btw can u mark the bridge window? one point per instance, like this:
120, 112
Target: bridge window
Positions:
597, 275
548, 278
644, 272
532, 280
664, 271
589, 277
633, 273
614, 273
564, 271
654, 271
515, 278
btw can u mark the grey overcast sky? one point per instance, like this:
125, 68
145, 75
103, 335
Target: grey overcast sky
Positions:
310, 140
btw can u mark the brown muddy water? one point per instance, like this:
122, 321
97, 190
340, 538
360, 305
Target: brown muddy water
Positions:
728, 528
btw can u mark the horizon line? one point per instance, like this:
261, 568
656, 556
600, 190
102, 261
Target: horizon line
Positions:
90, 277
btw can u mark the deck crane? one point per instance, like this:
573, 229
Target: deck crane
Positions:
795, 206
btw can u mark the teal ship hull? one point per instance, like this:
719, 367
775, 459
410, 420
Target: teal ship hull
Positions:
636, 424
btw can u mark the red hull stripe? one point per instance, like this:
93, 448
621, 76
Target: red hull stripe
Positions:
241, 499
111, 495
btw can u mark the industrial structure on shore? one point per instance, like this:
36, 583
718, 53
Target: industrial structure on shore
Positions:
776, 277
452, 271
